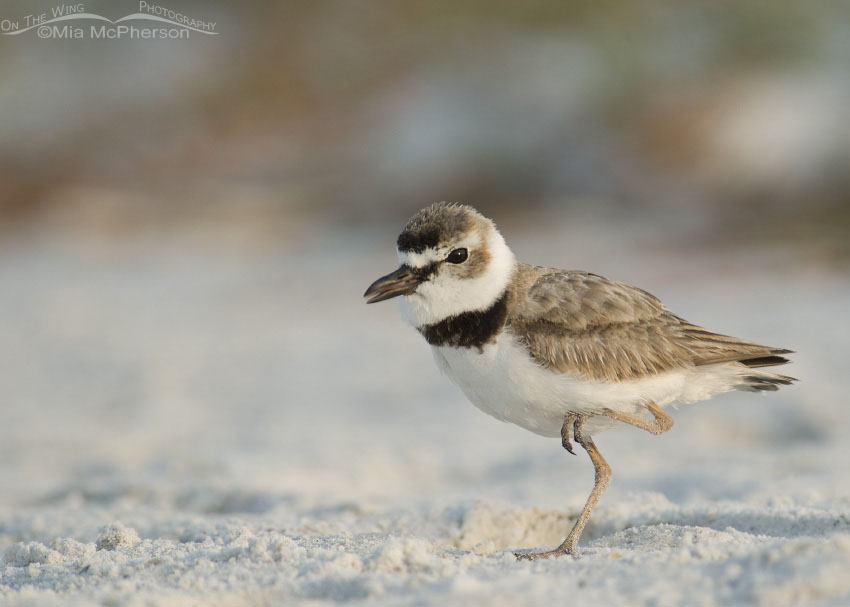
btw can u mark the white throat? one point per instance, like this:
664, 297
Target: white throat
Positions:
444, 296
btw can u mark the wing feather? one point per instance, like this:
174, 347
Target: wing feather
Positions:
581, 323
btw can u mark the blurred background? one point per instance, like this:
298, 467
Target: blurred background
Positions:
727, 119
186, 226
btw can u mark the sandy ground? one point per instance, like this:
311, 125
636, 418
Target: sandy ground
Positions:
197, 423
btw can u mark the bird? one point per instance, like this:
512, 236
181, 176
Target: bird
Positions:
562, 353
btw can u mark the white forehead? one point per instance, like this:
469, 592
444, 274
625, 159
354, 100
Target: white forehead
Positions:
434, 254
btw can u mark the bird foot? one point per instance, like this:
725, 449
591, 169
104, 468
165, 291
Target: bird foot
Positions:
536, 556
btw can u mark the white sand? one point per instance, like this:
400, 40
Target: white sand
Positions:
202, 425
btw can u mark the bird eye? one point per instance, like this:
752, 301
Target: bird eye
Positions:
457, 256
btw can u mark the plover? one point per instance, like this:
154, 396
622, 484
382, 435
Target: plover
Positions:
563, 353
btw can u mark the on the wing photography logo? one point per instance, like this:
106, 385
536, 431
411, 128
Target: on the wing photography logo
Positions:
72, 21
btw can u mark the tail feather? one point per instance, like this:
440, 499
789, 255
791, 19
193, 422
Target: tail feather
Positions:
764, 382
767, 361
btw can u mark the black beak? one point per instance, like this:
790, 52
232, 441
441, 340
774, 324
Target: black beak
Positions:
400, 282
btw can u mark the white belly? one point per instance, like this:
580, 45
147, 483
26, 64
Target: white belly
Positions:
505, 382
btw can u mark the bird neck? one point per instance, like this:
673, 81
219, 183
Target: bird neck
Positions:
469, 329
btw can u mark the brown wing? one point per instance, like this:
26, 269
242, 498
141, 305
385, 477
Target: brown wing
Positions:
585, 324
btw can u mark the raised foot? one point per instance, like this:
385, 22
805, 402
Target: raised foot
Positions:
569, 420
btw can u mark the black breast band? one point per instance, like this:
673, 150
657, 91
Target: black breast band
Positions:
470, 329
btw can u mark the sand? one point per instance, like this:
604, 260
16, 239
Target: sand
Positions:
206, 424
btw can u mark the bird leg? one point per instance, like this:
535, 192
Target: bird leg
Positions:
659, 425
602, 479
